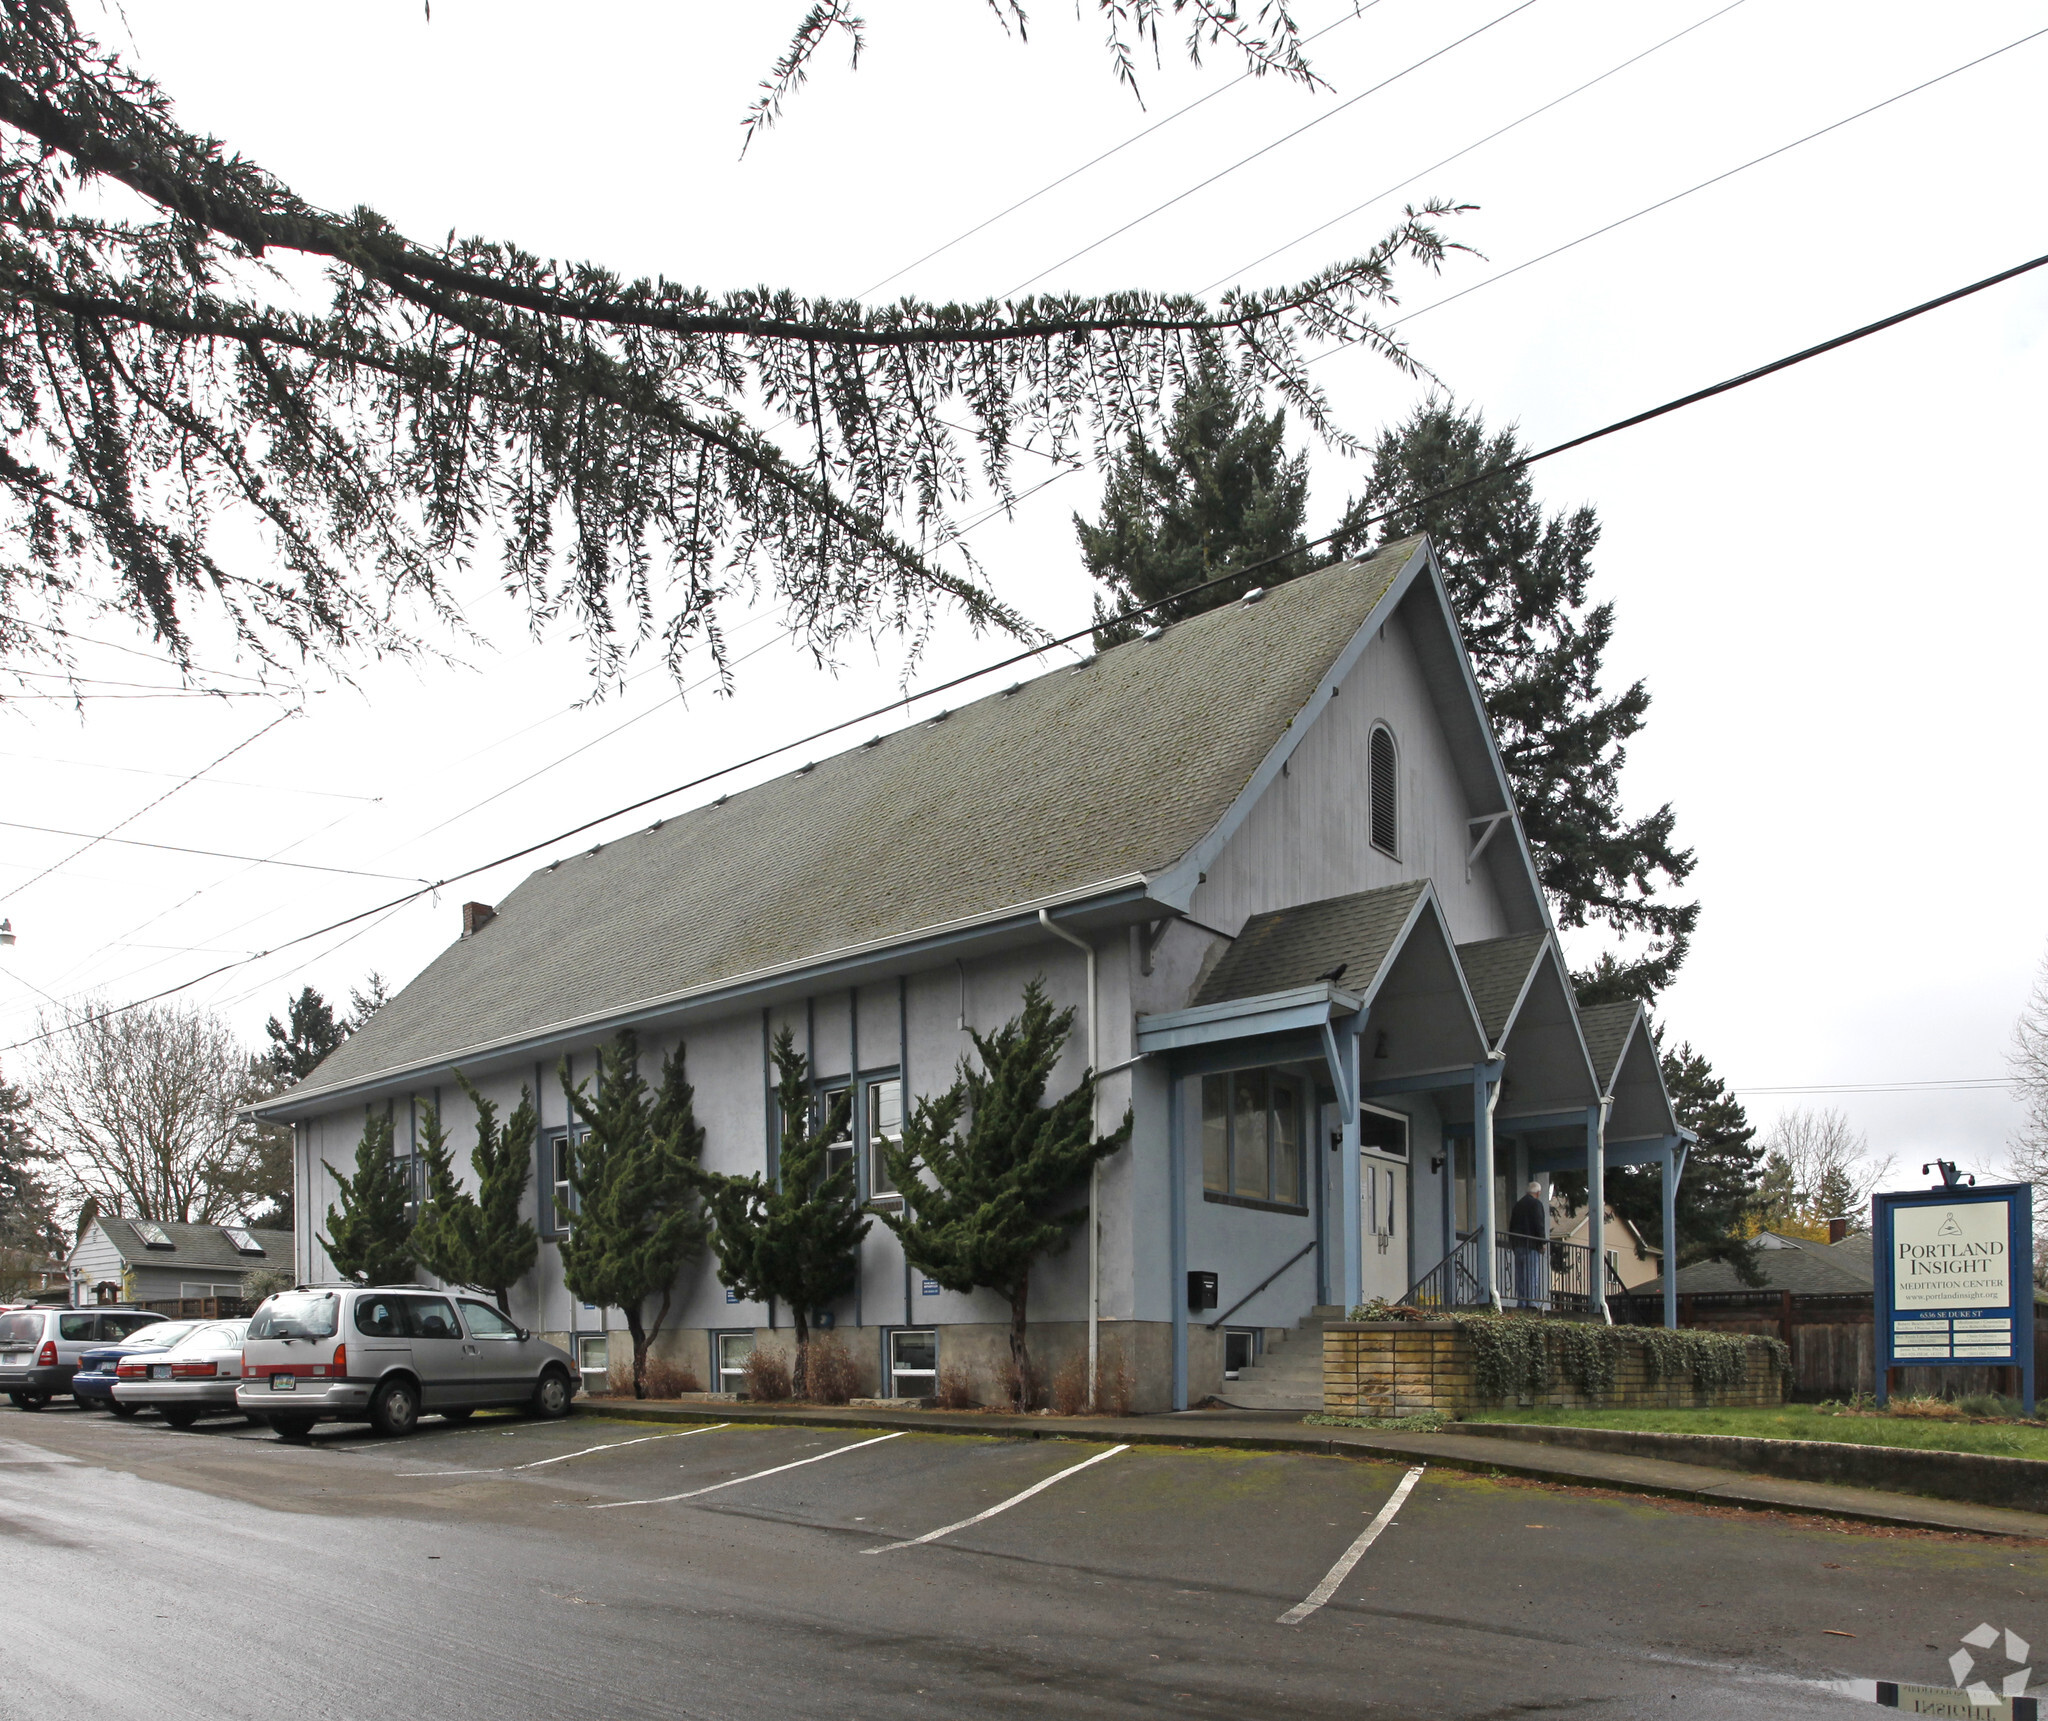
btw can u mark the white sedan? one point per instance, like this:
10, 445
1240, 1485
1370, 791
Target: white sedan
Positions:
196, 1377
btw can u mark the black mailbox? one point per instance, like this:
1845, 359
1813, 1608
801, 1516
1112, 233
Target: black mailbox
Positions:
1201, 1291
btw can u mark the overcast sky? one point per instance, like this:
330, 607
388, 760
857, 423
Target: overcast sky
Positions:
1831, 581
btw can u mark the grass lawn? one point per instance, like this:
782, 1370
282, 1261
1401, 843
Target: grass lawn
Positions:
1803, 1422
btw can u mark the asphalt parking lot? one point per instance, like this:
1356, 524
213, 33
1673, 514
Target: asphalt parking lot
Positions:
510, 1568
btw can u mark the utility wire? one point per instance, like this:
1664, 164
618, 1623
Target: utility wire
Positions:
1267, 149
55, 866
1754, 161
1358, 208
1097, 161
210, 854
1519, 463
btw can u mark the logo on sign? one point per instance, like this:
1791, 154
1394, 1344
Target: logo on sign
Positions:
1962, 1664
1952, 1257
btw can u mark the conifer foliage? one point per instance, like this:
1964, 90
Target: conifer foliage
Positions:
369, 1237
1219, 493
797, 1238
984, 1202
638, 1219
479, 1239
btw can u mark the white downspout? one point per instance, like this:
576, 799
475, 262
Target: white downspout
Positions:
1095, 1170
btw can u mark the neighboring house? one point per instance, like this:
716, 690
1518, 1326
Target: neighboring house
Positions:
142, 1261
1800, 1265
1635, 1259
1270, 856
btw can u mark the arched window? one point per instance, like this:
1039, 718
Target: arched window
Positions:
1384, 802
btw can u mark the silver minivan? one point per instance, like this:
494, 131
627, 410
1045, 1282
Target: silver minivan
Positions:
387, 1354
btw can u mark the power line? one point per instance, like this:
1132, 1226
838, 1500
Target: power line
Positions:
1358, 208
1519, 463
210, 854
1962, 1084
127, 650
56, 866
1676, 196
1097, 161
1267, 149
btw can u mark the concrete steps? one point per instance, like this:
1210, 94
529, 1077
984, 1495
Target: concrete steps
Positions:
1289, 1373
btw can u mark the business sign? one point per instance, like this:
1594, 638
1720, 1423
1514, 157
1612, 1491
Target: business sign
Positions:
1953, 1276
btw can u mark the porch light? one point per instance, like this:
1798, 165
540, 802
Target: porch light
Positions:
6, 932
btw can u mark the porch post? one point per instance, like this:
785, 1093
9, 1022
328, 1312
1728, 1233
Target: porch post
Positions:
1350, 1209
1667, 1167
1596, 1209
1484, 1089
1177, 1229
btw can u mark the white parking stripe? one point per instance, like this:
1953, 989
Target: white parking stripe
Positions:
1013, 1500
692, 1493
564, 1457
1351, 1556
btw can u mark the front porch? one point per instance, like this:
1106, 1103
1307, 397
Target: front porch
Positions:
1354, 1101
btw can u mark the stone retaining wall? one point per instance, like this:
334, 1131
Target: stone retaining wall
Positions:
1400, 1368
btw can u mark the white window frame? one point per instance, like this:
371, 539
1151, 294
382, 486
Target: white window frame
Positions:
881, 1192
726, 1375
899, 1376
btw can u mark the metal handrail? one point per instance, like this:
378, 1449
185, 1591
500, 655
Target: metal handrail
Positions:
1561, 1284
1307, 1249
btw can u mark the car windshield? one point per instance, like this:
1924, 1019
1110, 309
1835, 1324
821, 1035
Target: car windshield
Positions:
297, 1315
23, 1327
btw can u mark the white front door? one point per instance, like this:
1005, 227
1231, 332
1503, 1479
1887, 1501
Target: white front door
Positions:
1383, 1226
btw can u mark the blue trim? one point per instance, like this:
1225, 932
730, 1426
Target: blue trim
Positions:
856, 1122
2018, 1199
903, 1076
1436, 1081
713, 1001
1302, 1007
1177, 1248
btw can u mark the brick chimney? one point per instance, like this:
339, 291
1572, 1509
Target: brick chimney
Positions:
476, 916
1837, 1230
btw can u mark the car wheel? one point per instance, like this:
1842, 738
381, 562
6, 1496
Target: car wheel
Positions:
179, 1415
124, 1411
292, 1427
462, 1414
551, 1394
27, 1400
396, 1408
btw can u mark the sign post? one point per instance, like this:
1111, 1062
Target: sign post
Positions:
1954, 1280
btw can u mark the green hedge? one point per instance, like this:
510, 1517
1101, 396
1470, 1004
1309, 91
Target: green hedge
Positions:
1515, 1354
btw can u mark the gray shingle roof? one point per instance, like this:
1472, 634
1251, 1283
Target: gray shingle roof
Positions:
1297, 946
1496, 969
1606, 1029
1078, 778
1800, 1266
196, 1246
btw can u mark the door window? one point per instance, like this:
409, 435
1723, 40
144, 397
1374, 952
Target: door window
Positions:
77, 1328
486, 1322
379, 1317
914, 1363
120, 1326
733, 1351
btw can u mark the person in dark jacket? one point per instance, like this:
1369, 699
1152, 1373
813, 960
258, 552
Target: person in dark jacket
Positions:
1528, 1232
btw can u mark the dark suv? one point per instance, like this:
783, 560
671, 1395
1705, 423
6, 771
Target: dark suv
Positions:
40, 1348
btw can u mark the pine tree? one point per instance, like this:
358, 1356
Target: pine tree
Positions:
1717, 1193
437, 1230
796, 1238
1220, 493
500, 1244
638, 1217
981, 1206
1518, 580
29, 1232
369, 1237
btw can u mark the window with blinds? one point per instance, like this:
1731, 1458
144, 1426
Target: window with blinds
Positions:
1381, 770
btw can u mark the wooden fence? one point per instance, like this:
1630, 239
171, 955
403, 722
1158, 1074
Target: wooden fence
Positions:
1833, 1340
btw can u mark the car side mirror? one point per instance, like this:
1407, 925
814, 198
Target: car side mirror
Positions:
524, 1335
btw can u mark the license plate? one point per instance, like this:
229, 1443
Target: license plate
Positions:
160, 1371
14, 1359
284, 1383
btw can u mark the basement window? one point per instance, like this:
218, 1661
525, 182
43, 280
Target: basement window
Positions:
733, 1351
914, 1363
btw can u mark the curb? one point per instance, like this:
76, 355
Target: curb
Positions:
1345, 1443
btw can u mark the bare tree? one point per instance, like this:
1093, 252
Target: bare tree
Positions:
2027, 1160
1817, 1168
139, 1108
